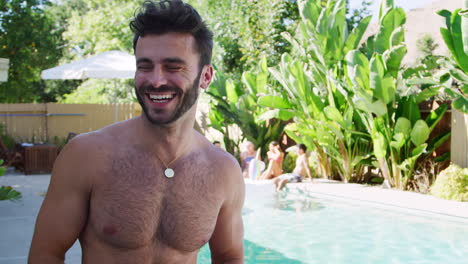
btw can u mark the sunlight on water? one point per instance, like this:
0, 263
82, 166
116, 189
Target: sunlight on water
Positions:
296, 226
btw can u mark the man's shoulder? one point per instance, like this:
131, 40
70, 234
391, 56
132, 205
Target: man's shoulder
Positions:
96, 143
107, 135
221, 161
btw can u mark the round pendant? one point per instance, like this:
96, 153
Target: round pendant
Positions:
169, 172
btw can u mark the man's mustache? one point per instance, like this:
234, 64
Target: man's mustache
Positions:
161, 89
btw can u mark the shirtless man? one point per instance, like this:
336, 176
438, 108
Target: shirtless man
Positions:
151, 189
301, 169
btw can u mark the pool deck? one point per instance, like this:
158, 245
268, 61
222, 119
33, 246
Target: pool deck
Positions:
17, 218
387, 198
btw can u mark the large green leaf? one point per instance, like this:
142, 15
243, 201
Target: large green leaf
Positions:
231, 91
397, 37
388, 89
385, 6
357, 66
393, 58
264, 65
261, 82
393, 19
407, 107
403, 126
378, 107
398, 141
408, 163
380, 145
459, 75
250, 81
435, 116
274, 101
447, 37
464, 25
464, 89
334, 114
355, 37
309, 10
422, 81
276, 113
416, 152
457, 37
377, 70
420, 133
426, 94
461, 104
447, 15
438, 141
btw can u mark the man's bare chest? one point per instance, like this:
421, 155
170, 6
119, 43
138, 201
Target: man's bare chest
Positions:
140, 207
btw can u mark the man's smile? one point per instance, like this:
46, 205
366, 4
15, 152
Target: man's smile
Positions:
164, 97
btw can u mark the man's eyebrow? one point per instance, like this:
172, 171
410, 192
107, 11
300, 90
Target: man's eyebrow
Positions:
174, 60
143, 60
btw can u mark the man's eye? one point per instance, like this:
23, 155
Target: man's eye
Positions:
143, 67
174, 68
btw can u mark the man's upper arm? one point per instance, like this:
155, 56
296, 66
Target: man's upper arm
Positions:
64, 210
227, 241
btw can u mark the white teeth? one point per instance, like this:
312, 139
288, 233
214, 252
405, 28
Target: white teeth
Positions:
161, 97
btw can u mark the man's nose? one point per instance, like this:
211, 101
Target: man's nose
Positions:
158, 77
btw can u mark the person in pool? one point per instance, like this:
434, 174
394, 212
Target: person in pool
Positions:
300, 170
150, 189
246, 156
275, 162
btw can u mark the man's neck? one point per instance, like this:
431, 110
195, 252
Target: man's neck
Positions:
168, 141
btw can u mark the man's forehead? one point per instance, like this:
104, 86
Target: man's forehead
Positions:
176, 42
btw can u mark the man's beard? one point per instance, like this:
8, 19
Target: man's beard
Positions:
189, 99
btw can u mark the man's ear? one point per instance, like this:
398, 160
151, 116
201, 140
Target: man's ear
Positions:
206, 76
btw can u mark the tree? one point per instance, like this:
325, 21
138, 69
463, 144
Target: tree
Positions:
91, 27
245, 33
29, 38
426, 45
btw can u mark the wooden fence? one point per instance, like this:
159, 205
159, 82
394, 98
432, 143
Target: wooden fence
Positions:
46, 122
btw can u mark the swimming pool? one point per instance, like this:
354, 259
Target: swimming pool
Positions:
304, 228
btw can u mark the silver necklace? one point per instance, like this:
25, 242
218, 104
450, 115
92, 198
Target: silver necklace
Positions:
168, 172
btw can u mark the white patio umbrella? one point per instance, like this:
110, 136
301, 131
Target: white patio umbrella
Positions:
107, 65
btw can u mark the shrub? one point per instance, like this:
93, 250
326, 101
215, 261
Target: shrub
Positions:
452, 184
7, 192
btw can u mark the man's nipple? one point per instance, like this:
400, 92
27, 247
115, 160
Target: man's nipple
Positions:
109, 230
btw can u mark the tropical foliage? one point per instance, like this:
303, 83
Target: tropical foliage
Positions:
304, 67
456, 38
236, 104
348, 99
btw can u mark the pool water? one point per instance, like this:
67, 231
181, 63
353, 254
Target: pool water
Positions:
295, 226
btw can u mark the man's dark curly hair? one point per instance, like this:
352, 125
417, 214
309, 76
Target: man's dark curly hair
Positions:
173, 16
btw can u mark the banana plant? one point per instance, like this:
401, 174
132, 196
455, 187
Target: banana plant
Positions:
455, 36
390, 113
311, 87
223, 112
235, 103
295, 95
